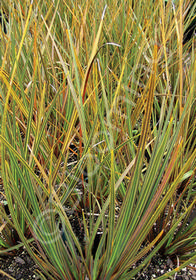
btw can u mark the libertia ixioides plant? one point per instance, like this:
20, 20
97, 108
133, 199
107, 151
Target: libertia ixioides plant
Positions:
98, 135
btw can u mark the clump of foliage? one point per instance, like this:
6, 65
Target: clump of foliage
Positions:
97, 123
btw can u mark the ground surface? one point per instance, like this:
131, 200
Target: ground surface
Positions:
21, 267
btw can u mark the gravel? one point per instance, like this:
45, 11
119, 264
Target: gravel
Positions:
21, 267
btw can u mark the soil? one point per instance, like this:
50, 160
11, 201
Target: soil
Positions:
21, 267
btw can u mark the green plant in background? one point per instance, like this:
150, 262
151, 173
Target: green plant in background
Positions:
98, 136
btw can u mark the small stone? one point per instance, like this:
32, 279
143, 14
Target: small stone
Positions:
169, 263
184, 269
19, 260
11, 269
162, 266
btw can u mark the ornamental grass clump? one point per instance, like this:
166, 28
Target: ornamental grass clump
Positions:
98, 136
